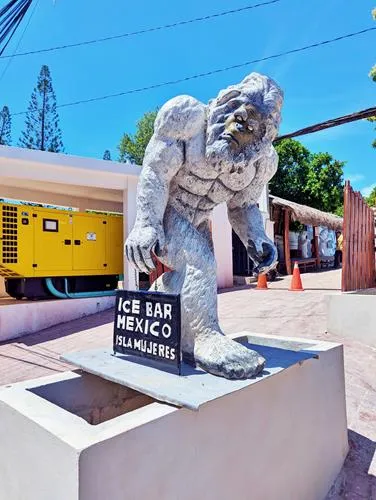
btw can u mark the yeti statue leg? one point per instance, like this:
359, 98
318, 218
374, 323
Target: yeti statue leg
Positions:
189, 254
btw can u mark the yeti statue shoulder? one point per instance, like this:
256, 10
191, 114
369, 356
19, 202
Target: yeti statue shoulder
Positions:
180, 118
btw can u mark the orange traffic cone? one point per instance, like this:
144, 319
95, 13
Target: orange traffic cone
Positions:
262, 282
296, 282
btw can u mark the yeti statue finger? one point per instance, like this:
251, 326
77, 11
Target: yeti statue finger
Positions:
200, 156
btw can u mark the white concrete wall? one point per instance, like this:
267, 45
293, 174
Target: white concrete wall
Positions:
43, 167
41, 480
264, 205
264, 201
24, 317
130, 210
284, 437
353, 315
2, 288
222, 240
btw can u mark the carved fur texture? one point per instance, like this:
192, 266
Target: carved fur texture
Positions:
200, 156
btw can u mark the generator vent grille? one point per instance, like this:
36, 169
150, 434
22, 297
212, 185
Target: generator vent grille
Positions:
9, 236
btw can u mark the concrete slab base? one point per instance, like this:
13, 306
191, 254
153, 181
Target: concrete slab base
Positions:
194, 387
353, 315
76, 436
19, 318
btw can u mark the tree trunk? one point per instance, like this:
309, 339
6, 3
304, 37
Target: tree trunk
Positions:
43, 117
2, 132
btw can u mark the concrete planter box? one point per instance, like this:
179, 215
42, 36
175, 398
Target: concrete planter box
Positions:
353, 315
75, 436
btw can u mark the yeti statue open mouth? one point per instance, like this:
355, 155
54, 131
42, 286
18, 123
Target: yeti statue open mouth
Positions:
188, 170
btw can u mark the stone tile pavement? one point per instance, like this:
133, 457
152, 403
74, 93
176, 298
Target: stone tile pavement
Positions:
275, 311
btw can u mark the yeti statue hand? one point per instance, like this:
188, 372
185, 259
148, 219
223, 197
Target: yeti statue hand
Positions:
141, 242
263, 253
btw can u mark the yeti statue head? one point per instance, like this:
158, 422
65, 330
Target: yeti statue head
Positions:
242, 118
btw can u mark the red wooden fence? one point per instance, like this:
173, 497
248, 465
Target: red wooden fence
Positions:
358, 257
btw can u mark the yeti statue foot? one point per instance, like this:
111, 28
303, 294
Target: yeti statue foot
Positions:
224, 357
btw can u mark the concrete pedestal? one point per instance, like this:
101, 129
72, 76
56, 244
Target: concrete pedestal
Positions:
353, 315
76, 436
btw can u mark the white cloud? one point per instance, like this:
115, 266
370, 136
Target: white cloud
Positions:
355, 177
368, 189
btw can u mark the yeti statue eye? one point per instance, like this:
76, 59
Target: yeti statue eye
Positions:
239, 118
250, 128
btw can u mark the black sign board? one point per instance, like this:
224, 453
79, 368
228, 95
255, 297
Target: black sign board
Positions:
147, 324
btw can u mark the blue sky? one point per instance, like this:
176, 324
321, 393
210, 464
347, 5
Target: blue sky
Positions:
319, 84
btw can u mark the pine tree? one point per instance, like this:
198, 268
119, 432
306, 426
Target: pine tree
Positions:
42, 130
5, 127
107, 155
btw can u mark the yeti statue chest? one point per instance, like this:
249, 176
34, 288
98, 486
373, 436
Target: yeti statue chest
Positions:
200, 185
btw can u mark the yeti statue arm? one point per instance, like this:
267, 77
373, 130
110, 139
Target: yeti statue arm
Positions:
177, 121
246, 219
163, 159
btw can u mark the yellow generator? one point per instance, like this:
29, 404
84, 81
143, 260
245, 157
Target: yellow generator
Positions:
48, 253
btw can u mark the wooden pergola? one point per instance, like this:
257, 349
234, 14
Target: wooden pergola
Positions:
308, 216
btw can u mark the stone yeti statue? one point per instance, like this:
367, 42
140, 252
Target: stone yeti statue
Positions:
200, 156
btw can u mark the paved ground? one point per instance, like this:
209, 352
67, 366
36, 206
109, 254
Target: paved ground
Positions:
275, 311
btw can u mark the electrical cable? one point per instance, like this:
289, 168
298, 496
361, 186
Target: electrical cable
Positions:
146, 30
11, 16
213, 72
19, 42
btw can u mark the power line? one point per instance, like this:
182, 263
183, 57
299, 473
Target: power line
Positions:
11, 16
334, 122
208, 73
146, 30
19, 41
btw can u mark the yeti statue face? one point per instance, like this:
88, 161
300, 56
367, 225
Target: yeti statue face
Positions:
243, 127
241, 118
236, 129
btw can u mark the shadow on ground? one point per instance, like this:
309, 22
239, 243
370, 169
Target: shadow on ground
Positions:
354, 482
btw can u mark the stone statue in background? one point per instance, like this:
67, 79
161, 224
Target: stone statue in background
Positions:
304, 244
327, 242
200, 156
